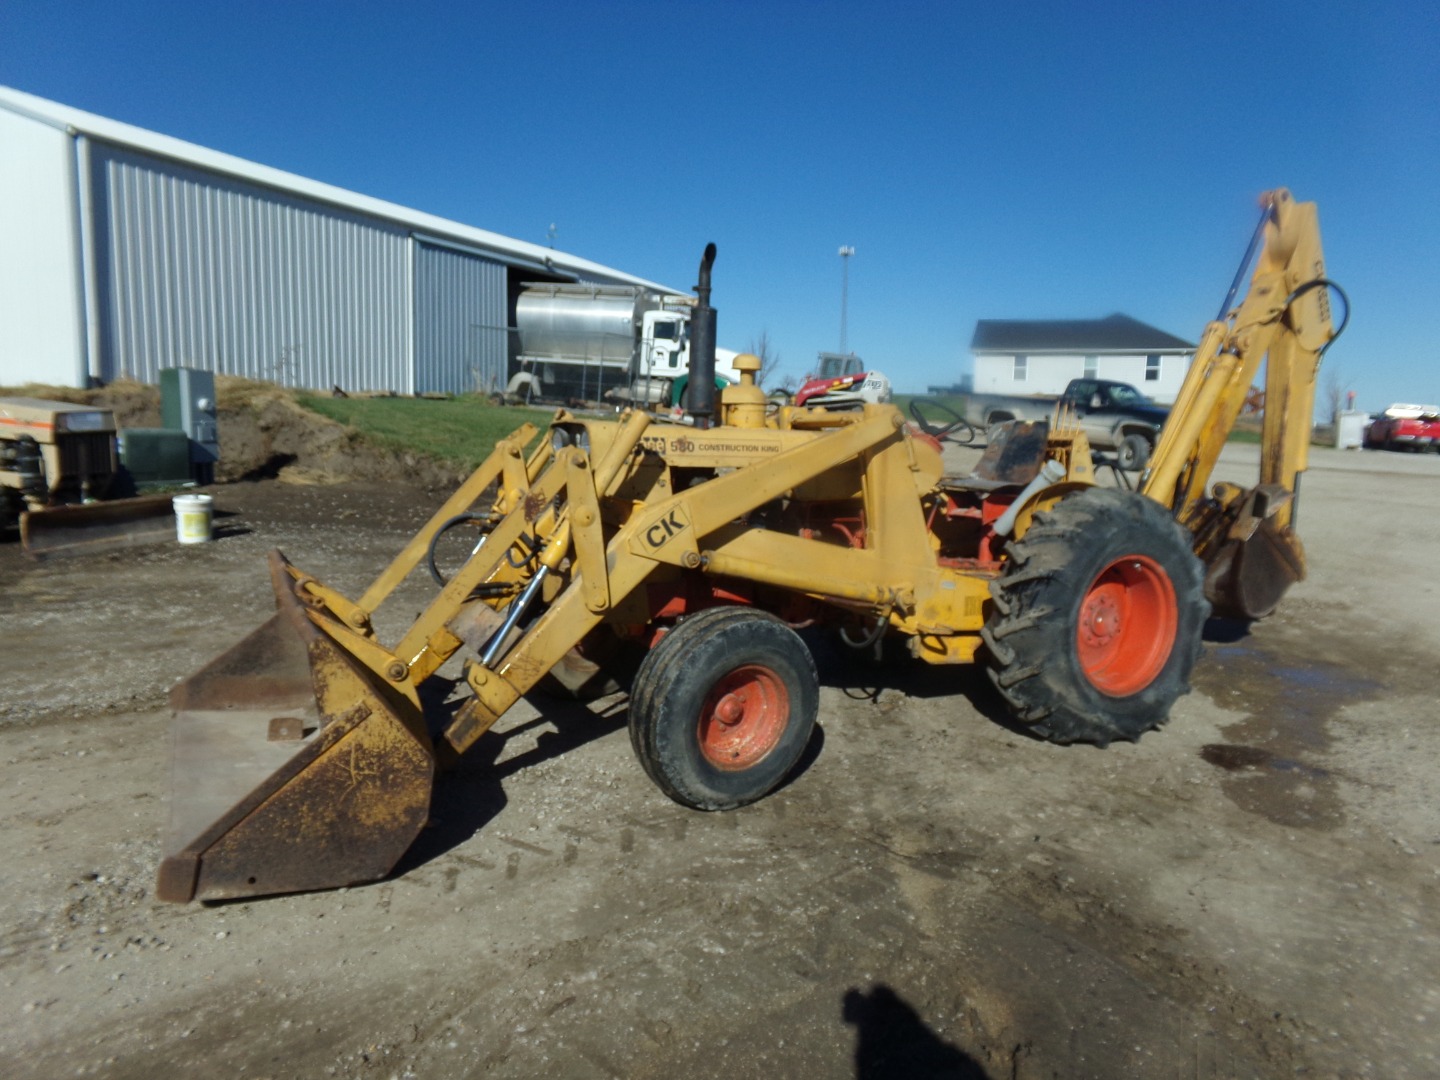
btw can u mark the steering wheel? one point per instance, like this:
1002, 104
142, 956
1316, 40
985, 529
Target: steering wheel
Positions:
953, 427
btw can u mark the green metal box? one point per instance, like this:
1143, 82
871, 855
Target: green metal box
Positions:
155, 456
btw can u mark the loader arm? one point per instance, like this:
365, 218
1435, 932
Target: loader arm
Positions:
680, 531
1246, 537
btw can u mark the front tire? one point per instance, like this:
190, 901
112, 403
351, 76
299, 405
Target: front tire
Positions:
1133, 453
1097, 619
723, 707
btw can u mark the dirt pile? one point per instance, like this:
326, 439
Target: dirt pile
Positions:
265, 433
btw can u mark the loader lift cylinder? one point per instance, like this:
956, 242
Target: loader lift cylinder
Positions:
701, 389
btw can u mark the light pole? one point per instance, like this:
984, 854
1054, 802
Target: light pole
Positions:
846, 251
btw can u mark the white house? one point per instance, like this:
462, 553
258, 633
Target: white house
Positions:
1040, 356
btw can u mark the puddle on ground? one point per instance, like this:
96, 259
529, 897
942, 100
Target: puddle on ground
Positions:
1234, 758
1269, 758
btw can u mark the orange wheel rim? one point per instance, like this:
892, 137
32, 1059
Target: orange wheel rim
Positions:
1127, 626
743, 717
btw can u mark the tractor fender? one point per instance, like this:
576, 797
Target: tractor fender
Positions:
1044, 499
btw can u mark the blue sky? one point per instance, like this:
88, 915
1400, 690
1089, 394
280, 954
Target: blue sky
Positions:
1016, 160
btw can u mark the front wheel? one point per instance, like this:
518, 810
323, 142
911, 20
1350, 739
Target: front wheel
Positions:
1133, 453
1097, 619
723, 707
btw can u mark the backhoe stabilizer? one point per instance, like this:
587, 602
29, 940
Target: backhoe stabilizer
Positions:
294, 767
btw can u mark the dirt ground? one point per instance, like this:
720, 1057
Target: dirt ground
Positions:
1249, 892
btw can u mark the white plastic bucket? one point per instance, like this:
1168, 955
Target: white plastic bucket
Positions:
192, 518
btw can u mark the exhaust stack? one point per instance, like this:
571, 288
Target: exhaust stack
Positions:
700, 393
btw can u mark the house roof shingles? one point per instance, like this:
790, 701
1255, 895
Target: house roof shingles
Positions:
1113, 334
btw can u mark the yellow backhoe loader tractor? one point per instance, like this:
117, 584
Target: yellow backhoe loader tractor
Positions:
303, 758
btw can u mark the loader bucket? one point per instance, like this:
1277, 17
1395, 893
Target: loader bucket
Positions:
92, 528
294, 767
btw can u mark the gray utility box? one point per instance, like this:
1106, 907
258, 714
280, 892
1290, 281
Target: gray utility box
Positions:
1350, 430
187, 403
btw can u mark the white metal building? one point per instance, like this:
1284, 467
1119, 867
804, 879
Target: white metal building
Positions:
123, 251
1040, 356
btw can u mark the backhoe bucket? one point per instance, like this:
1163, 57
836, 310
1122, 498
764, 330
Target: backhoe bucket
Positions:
1248, 577
294, 767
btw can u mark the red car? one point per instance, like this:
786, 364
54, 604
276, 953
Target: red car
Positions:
1405, 427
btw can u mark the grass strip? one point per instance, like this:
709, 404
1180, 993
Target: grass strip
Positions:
459, 429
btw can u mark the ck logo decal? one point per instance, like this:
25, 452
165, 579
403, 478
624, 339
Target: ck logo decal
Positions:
659, 534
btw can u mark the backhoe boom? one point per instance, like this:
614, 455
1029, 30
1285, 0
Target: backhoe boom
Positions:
1245, 537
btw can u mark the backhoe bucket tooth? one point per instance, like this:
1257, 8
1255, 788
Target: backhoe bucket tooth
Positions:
294, 767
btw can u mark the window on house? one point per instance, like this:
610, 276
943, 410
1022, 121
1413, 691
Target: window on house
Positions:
1021, 363
1092, 367
1152, 368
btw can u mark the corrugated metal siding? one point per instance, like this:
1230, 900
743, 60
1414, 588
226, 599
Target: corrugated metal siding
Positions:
206, 271
461, 340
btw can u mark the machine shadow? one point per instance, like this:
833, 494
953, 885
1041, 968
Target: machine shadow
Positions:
893, 1043
1222, 631
469, 794
865, 676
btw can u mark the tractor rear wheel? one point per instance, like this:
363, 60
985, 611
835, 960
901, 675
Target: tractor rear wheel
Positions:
1097, 619
723, 707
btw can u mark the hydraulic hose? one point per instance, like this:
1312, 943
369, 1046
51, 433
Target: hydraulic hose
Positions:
1326, 283
458, 519
868, 640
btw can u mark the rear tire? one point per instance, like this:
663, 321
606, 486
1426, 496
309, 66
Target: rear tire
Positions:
723, 707
1097, 620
